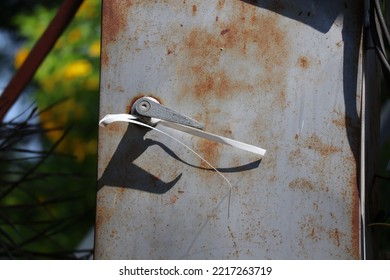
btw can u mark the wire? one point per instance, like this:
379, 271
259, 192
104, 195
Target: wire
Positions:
378, 28
381, 20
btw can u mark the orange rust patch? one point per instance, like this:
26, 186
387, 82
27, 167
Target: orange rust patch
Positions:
295, 157
114, 233
355, 218
247, 35
303, 62
173, 199
315, 143
102, 216
220, 4
302, 184
114, 19
210, 151
194, 10
114, 128
121, 192
312, 234
334, 235
224, 31
282, 97
340, 122
219, 84
104, 59
311, 227
344, 122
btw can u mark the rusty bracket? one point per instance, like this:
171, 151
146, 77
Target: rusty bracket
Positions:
151, 111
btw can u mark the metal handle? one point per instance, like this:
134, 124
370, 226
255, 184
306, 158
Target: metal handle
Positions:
150, 108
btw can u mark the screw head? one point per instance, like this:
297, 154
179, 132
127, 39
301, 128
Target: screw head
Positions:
144, 106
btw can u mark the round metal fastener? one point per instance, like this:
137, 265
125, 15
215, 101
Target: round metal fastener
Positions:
144, 106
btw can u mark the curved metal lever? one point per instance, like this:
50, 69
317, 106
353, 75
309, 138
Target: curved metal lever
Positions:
150, 108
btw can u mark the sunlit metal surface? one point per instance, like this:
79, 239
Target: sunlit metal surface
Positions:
282, 75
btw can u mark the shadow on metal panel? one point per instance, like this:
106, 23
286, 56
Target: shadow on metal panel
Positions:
122, 172
318, 14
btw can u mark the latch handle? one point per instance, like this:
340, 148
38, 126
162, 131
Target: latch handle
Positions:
150, 108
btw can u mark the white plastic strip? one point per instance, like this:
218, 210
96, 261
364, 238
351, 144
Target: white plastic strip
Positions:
133, 119
215, 138
193, 131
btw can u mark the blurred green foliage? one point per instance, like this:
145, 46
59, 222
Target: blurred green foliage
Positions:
47, 194
9, 8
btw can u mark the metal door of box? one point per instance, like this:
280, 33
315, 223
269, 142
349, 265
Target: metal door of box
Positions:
282, 75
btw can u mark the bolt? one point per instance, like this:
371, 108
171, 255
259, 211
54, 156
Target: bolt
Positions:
144, 106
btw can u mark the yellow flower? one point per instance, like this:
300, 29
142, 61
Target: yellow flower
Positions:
58, 118
91, 147
77, 69
20, 57
88, 9
79, 149
92, 83
74, 35
94, 49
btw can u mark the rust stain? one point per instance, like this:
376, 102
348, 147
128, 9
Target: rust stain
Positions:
281, 97
104, 59
295, 157
173, 199
114, 19
114, 128
194, 10
340, 122
247, 35
355, 219
312, 228
114, 233
235, 247
303, 62
121, 192
120, 89
221, 4
210, 151
315, 143
345, 121
313, 235
334, 235
218, 84
302, 184
102, 216
224, 31
340, 44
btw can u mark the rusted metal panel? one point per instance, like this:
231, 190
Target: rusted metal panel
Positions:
282, 75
